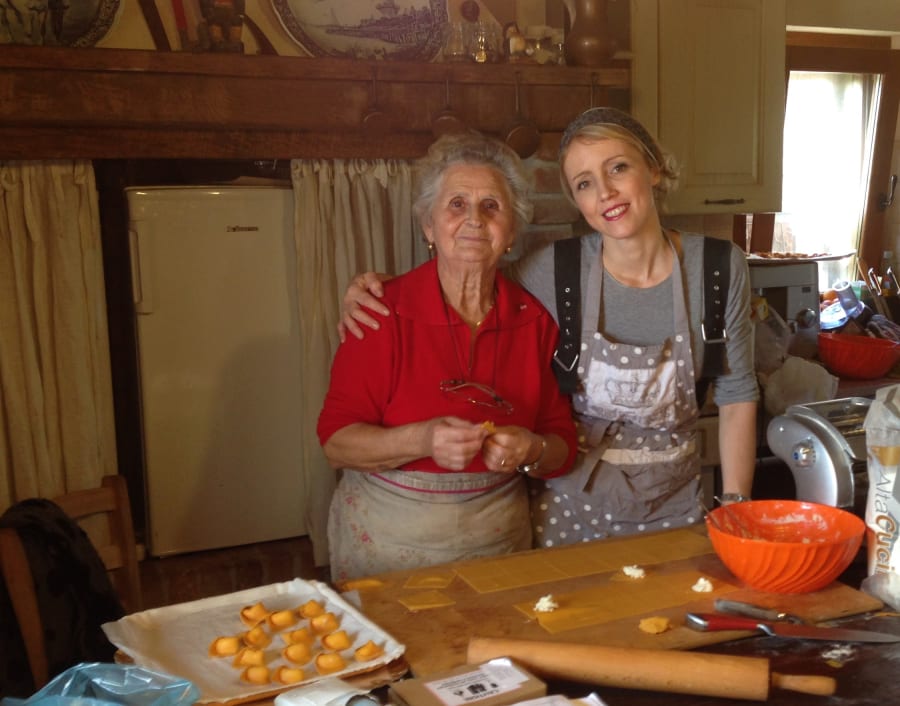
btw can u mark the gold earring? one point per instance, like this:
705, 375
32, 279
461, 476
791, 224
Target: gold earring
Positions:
508, 249
430, 246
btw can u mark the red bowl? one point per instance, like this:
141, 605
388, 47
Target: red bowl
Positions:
785, 546
859, 357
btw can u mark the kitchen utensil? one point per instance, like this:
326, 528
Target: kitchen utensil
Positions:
376, 121
724, 605
797, 547
824, 445
705, 622
522, 134
651, 669
448, 120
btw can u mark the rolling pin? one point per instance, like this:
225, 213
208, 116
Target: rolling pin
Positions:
652, 670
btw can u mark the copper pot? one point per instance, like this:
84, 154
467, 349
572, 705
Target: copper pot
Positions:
522, 135
448, 120
376, 121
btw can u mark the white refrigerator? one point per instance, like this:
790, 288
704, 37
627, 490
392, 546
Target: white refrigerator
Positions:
215, 298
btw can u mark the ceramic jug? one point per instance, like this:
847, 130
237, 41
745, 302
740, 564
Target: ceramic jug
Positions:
588, 41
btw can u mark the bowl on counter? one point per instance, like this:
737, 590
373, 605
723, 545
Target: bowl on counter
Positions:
857, 357
785, 546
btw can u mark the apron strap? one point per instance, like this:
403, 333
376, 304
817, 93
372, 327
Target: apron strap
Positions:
716, 276
567, 273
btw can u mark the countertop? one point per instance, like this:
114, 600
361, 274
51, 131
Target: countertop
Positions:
436, 638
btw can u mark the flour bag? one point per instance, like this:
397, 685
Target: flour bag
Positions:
882, 427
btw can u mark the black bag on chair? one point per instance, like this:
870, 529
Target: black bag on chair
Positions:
74, 592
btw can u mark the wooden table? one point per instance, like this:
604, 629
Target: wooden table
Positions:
437, 638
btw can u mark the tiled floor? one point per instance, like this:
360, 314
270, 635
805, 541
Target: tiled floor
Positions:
186, 577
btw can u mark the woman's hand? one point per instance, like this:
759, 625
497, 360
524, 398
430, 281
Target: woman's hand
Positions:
510, 447
455, 442
364, 291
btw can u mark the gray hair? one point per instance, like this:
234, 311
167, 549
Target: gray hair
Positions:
609, 123
472, 148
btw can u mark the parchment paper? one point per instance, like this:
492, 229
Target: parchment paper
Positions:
176, 639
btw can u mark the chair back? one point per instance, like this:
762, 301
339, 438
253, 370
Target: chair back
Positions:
116, 547
43, 588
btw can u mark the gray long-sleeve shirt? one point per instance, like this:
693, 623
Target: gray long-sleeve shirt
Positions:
645, 316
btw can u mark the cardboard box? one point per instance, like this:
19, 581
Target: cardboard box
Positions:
499, 682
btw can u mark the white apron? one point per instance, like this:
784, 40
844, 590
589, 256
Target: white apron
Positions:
638, 468
397, 520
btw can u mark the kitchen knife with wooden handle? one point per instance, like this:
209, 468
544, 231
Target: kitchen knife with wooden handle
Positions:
673, 671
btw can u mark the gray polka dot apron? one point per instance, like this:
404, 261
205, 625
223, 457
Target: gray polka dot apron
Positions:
637, 469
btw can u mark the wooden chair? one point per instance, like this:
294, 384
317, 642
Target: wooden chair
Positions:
119, 555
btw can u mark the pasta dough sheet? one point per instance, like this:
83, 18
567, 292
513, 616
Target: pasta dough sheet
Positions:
612, 601
584, 559
426, 600
431, 579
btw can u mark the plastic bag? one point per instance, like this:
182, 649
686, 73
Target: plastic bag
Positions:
798, 381
101, 684
883, 502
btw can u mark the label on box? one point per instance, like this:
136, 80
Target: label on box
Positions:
490, 679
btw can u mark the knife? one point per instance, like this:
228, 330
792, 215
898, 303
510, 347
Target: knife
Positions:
707, 622
724, 605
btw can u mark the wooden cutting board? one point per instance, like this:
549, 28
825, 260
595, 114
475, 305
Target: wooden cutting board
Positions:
435, 611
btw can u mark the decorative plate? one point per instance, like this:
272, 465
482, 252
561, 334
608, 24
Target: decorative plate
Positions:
407, 30
77, 23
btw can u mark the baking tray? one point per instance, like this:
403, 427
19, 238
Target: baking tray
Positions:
175, 639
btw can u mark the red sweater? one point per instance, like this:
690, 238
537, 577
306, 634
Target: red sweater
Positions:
392, 376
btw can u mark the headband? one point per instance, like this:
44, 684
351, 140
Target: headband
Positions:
611, 116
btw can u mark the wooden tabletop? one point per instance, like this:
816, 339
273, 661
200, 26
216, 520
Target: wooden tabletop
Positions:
437, 638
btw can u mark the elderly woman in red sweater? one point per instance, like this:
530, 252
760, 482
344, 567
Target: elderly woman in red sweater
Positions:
436, 418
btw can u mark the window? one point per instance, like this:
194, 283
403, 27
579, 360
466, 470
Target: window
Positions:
829, 131
859, 78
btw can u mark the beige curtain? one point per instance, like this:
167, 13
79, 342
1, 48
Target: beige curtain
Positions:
56, 413
349, 216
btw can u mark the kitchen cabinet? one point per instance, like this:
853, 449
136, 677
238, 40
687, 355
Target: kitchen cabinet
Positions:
708, 79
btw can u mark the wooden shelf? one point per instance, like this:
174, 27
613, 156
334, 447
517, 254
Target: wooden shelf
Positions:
111, 103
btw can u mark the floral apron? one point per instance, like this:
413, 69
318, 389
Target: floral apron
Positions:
397, 520
637, 469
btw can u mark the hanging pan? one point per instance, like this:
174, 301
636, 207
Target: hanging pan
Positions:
448, 120
375, 121
522, 134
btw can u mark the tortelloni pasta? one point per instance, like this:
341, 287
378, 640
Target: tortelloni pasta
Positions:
311, 636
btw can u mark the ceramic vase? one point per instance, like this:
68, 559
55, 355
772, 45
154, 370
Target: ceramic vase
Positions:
588, 41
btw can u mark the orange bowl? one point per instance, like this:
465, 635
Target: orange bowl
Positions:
859, 357
785, 546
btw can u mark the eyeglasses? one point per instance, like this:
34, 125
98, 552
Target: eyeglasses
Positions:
476, 393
